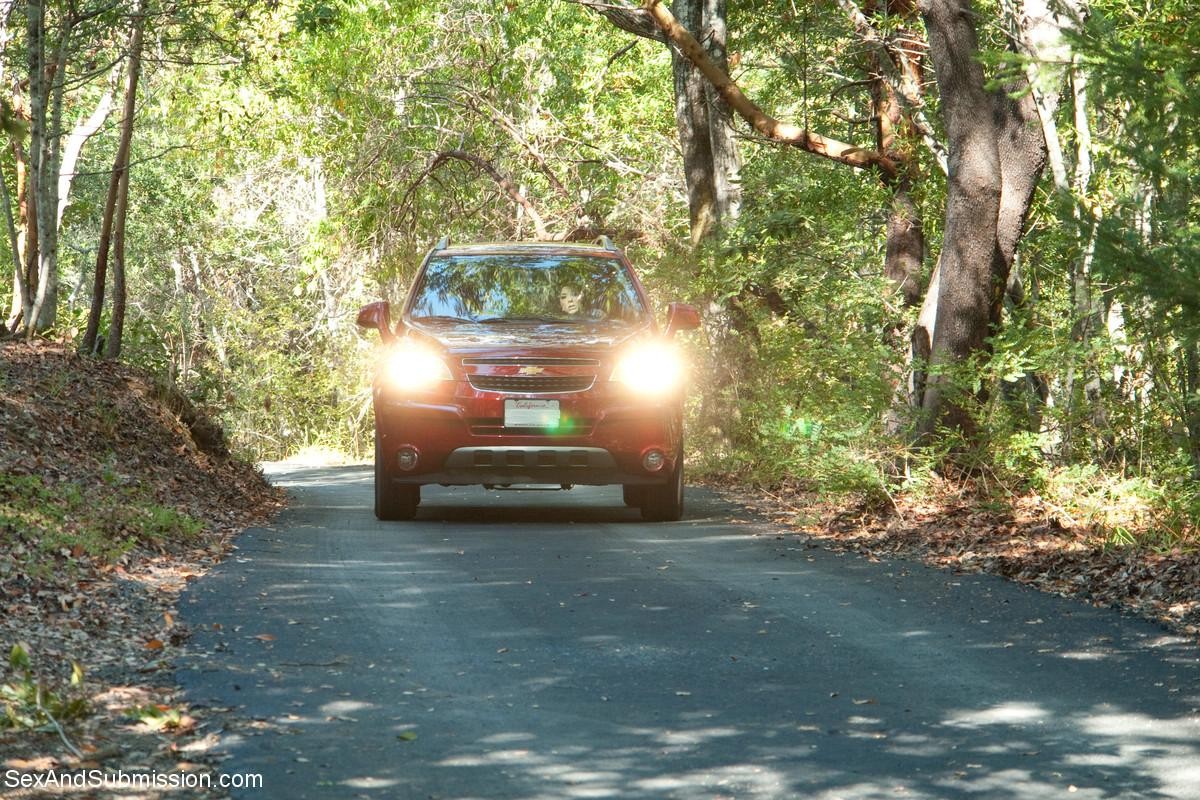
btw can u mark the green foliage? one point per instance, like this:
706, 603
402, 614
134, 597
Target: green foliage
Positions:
28, 703
52, 526
287, 171
796, 372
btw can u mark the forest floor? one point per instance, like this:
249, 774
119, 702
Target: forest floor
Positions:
113, 495
1027, 539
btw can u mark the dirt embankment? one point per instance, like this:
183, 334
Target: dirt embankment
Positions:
114, 492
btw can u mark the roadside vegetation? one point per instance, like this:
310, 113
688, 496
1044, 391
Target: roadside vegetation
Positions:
884, 351
114, 491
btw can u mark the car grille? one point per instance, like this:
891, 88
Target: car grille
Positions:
538, 361
532, 384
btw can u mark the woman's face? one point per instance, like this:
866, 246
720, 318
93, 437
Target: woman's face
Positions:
571, 299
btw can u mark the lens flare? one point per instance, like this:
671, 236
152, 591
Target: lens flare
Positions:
412, 368
654, 369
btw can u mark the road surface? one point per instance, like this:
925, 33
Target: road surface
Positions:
550, 645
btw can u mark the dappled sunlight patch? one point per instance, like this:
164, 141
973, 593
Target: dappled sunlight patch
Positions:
485, 759
695, 738
511, 737
343, 707
914, 745
1084, 655
1015, 713
1015, 783
744, 780
1102, 722
369, 782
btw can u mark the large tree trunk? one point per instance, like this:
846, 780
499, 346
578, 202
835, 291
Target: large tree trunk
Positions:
726, 156
997, 153
692, 121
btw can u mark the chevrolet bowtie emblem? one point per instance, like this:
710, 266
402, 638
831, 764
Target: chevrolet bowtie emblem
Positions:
530, 371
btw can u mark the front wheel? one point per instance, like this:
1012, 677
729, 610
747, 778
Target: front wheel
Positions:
664, 503
392, 502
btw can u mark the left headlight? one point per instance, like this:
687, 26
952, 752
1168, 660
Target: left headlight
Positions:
655, 369
411, 367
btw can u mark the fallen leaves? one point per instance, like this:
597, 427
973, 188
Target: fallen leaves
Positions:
1024, 541
78, 437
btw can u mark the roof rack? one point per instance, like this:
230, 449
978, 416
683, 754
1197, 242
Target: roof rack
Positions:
442, 244
605, 242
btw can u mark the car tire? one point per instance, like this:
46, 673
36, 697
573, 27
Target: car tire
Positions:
634, 496
664, 502
392, 502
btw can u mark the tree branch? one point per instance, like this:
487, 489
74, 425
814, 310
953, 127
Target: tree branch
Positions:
631, 20
762, 122
485, 166
914, 104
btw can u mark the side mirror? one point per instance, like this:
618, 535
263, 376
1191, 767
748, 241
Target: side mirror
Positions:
379, 316
681, 317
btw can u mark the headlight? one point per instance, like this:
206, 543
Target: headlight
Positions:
411, 367
654, 369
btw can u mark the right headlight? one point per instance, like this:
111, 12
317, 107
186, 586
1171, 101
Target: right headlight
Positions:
411, 367
655, 368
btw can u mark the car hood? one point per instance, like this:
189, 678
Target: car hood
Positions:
471, 336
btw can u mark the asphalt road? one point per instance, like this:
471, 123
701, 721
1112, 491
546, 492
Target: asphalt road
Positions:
551, 645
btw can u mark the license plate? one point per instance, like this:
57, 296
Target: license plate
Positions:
531, 414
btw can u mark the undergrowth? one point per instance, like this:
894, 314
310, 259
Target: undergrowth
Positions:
27, 701
54, 525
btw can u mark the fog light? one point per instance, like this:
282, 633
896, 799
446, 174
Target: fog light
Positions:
406, 459
653, 460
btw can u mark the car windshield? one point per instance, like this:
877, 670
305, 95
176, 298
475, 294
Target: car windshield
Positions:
501, 288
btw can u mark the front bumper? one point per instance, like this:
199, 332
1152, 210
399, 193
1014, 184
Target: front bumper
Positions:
464, 443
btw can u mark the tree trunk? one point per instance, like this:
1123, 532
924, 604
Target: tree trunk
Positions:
20, 282
46, 89
905, 255
74, 147
100, 274
19, 290
35, 15
692, 121
997, 154
727, 158
112, 348
116, 327
25, 266
965, 289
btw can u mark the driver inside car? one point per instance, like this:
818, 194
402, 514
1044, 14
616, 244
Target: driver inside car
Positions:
570, 300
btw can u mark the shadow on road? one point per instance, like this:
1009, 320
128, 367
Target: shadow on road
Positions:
553, 646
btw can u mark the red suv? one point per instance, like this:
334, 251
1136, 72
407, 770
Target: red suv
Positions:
528, 363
